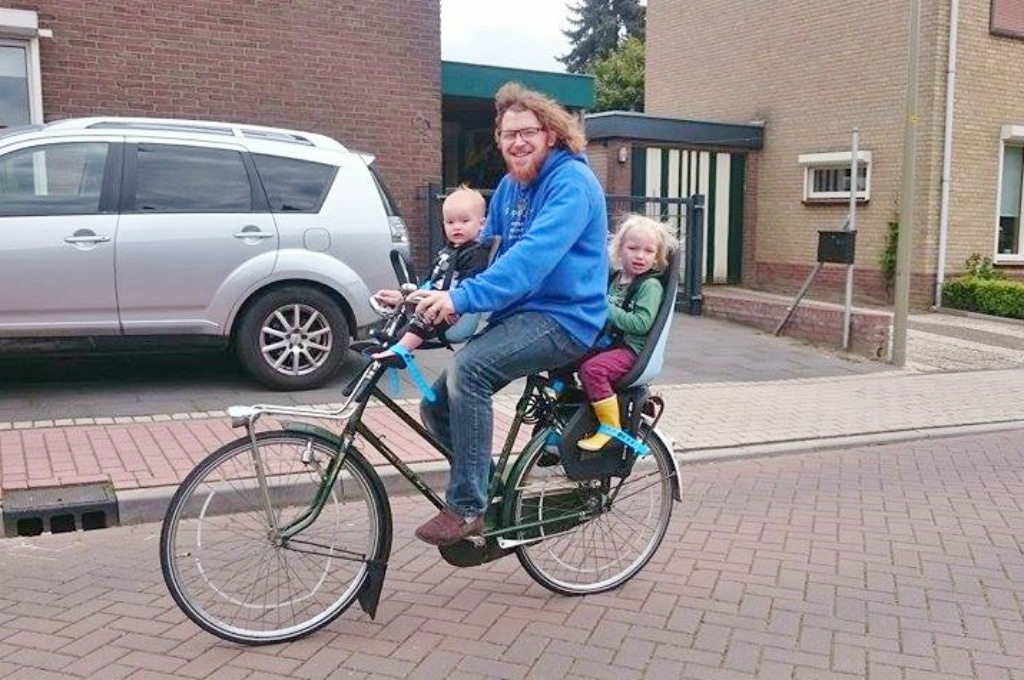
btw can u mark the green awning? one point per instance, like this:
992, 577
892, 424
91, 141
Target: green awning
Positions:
474, 81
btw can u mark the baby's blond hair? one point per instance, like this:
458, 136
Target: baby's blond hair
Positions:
475, 198
667, 243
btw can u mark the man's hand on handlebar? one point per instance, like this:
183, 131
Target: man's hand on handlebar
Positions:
431, 307
434, 306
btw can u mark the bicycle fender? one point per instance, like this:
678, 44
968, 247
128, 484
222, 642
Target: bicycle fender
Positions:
369, 594
315, 430
677, 492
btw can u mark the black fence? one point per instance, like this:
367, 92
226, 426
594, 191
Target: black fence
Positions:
684, 217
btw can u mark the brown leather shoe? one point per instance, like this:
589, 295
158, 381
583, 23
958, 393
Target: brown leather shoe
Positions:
448, 528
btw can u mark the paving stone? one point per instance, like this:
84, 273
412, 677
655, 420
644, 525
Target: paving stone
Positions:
877, 560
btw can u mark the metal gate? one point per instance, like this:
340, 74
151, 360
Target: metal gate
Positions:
718, 175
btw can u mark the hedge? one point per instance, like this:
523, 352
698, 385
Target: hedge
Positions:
998, 297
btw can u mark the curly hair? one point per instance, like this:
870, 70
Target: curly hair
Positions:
667, 243
551, 115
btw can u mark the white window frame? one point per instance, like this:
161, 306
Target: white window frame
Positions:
20, 28
839, 161
1010, 136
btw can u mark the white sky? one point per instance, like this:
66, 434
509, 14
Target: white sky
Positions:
513, 33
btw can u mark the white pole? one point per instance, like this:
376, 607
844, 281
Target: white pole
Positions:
851, 226
947, 149
904, 252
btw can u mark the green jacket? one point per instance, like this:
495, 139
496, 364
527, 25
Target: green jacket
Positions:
634, 323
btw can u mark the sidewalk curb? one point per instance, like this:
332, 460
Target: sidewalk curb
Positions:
791, 446
140, 506
978, 316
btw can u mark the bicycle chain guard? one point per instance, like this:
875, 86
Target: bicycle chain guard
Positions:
466, 554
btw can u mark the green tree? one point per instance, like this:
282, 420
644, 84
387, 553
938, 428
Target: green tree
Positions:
619, 78
599, 28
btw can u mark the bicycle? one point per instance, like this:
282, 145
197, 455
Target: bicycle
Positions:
276, 534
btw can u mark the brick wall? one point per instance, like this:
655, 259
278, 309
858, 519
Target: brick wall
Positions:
816, 322
812, 71
597, 156
615, 177
830, 283
366, 72
750, 208
989, 81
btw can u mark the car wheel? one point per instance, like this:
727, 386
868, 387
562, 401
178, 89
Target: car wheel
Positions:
292, 338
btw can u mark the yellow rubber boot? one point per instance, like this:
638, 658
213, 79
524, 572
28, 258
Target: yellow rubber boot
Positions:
607, 412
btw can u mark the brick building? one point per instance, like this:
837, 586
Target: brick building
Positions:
366, 73
811, 72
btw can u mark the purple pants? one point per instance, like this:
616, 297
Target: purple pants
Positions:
599, 370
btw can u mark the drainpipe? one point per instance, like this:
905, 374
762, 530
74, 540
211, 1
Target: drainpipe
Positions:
947, 149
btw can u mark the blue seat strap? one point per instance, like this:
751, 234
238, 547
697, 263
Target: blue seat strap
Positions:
414, 372
394, 383
638, 446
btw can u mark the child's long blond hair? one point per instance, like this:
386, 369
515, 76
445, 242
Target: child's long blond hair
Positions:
667, 243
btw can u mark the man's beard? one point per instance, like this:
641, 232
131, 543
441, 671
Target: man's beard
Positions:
527, 174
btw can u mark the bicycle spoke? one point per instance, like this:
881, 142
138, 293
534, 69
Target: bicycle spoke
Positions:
627, 524
234, 576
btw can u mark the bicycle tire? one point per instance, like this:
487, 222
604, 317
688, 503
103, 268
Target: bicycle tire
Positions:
611, 546
219, 559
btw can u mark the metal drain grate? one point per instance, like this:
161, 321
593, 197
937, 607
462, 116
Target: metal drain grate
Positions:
30, 512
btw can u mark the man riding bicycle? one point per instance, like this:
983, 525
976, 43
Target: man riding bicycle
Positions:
545, 291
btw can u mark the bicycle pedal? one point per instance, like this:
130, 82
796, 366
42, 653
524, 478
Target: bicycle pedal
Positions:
476, 541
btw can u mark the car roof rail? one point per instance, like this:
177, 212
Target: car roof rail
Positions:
261, 132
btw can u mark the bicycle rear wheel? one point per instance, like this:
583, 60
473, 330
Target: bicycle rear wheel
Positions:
595, 535
229, 571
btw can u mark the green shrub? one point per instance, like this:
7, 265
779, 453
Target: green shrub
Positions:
959, 293
982, 268
995, 296
1001, 298
887, 260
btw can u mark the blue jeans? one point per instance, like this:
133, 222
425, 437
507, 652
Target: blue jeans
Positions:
462, 418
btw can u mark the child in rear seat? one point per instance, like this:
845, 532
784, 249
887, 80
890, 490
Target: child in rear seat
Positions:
639, 252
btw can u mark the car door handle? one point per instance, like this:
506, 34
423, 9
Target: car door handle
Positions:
94, 238
253, 234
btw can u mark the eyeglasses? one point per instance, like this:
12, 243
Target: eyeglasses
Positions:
526, 134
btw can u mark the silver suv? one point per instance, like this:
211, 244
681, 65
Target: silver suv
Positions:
267, 238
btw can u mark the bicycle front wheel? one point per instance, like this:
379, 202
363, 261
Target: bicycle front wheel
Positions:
592, 536
227, 562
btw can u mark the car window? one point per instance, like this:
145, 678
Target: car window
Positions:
293, 185
174, 178
53, 179
385, 195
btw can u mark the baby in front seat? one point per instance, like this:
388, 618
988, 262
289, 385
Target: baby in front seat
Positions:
464, 212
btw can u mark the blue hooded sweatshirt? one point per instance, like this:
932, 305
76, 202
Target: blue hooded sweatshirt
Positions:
553, 256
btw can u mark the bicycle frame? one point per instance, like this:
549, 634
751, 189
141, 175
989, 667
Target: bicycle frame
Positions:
534, 404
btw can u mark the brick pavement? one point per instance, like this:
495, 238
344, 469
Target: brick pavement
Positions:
890, 561
709, 419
